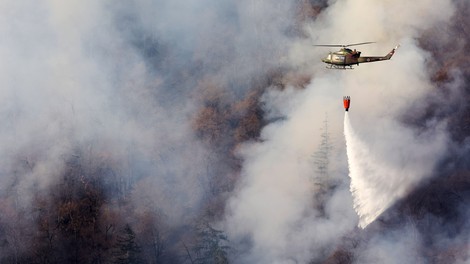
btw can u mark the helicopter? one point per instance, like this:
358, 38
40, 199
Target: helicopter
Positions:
345, 58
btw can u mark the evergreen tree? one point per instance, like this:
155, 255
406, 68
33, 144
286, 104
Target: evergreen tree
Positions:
126, 250
211, 247
322, 155
321, 158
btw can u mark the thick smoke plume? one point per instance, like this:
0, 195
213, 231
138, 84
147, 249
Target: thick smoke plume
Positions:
207, 131
122, 115
274, 205
388, 158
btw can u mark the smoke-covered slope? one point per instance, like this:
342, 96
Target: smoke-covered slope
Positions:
188, 131
433, 218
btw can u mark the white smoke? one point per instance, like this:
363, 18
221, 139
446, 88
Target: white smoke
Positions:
72, 81
274, 204
273, 199
119, 82
80, 74
403, 246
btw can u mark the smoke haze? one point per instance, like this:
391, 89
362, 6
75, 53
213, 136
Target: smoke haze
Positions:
387, 159
178, 119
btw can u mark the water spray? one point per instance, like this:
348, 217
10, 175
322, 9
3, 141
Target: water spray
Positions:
367, 175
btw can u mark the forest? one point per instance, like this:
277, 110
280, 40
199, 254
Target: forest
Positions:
141, 156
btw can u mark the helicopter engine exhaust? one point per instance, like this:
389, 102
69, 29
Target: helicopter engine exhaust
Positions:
346, 102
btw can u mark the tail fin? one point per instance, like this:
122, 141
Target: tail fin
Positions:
390, 54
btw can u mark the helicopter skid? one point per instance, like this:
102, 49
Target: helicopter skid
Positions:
340, 67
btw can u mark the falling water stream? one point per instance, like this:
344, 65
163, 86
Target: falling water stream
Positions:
368, 178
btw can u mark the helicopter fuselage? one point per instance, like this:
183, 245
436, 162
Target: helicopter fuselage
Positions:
347, 57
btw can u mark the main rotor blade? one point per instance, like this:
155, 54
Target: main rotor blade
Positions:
357, 44
329, 45
343, 46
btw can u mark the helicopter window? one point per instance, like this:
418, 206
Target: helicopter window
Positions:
329, 56
338, 58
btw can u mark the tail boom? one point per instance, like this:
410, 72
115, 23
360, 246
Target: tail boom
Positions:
378, 58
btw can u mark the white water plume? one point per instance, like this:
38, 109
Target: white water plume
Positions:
383, 173
366, 172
